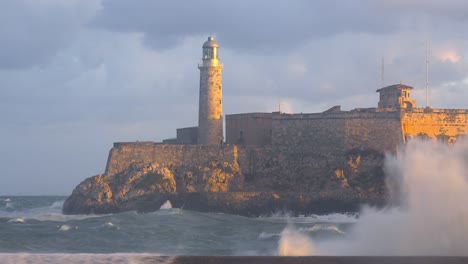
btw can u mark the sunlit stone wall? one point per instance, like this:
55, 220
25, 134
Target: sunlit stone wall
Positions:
440, 124
210, 117
334, 133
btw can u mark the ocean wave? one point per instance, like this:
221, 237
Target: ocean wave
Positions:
318, 227
44, 214
169, 211
266, 235
166, 205
57, 205
337, 218
110, 225
17, 220
64, 228
60, 258
9, 205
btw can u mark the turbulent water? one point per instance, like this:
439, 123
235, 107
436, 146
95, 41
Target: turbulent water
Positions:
35, 225
428, 216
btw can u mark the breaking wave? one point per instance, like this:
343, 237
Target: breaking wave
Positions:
428, 184
338, 218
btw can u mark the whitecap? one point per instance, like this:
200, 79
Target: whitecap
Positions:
7, 200
294, 243
110, 225
57, 205
17, 220
316, 228
166, 205
337, 218
330, 218
64, 228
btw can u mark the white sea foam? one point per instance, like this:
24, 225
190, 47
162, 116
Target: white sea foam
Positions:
48, 213
428, 183
295, 243
17, 220
64, 228
318, 227
110, 225
59, 217
337, 218
7, 200
166, 205
57, 205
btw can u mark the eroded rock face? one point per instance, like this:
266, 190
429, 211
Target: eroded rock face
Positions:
301, 183
138, 183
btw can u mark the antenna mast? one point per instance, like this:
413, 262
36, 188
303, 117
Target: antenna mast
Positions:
427, 74
383, 72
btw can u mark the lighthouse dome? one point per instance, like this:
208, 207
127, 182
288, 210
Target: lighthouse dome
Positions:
210, 43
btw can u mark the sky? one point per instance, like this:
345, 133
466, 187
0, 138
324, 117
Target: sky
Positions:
76, 76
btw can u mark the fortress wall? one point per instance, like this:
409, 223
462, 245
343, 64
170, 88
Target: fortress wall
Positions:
310, 132
307, 148
331, 133
248, 129
124, 154
442, 124
380, 131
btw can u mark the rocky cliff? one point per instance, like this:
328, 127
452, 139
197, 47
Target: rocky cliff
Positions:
231, 179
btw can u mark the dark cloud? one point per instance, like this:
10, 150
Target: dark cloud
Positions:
242, 25
31, 32
77, 75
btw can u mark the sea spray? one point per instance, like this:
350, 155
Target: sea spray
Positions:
428, 213
294, 243
166, 205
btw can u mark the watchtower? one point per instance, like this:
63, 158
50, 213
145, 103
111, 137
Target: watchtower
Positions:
396, 96
210, 111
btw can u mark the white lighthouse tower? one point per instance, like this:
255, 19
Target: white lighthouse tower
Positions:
210, 111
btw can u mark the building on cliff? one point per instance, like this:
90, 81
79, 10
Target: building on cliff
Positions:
395, 120
316, 163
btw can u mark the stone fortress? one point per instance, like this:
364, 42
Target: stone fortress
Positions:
394, 121
304, 163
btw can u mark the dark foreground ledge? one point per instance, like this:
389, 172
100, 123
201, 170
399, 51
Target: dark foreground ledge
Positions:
149, 258
303, 260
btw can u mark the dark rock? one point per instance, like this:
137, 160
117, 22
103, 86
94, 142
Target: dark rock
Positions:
297, 183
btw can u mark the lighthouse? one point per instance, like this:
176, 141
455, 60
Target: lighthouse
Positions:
210, 111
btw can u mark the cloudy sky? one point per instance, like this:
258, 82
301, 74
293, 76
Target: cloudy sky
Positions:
76, 76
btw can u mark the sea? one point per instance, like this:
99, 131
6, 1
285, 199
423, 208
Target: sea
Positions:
427, 215
33, 228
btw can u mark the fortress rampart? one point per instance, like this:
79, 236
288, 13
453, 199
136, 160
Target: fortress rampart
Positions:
123, 154
327, 135
332, 133
446, 125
